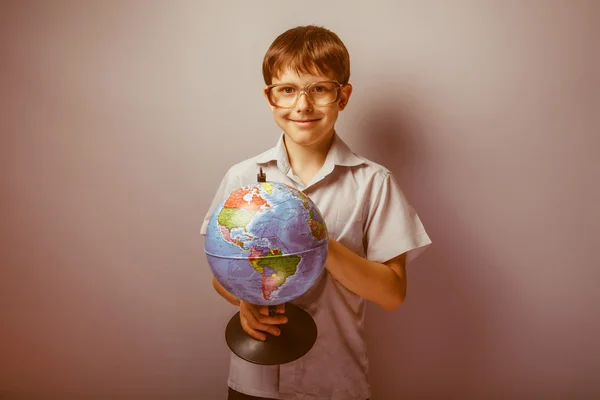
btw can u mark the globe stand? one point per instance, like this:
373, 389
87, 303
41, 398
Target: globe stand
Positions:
297, 337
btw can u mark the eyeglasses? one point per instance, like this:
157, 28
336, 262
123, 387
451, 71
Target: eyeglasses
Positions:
286, 95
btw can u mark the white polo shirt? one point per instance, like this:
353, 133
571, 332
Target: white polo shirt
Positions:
366, 211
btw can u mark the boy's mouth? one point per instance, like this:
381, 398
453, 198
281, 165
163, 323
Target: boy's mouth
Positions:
304, 123
303, 120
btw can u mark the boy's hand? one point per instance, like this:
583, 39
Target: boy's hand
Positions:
256, 320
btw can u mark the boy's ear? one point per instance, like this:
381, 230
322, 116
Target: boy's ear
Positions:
345, 94
267, 99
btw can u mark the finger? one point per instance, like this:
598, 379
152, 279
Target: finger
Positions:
276, 320
260, 322
272, 310
268, 319
257, 325
276, 310
250, 331
251, 312
264, 318
264, 310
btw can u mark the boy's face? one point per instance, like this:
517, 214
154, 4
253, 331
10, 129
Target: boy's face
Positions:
307, 124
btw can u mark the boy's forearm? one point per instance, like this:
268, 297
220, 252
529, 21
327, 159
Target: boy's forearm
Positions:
225, 294
374, 281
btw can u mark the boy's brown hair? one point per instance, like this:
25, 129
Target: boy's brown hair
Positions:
307, 49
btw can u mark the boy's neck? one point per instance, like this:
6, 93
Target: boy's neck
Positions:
306, 161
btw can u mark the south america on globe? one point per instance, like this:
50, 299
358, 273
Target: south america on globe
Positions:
266, 243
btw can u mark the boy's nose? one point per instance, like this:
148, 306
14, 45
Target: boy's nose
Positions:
303, 103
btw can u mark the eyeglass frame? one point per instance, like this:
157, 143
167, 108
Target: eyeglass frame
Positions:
304, 91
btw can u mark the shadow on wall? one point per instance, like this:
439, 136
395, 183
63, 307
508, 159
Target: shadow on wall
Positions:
434, 345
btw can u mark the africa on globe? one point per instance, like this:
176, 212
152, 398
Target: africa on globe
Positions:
266, 243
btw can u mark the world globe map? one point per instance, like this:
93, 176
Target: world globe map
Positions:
266, 243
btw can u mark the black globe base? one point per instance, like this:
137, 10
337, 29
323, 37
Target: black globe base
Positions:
297, 337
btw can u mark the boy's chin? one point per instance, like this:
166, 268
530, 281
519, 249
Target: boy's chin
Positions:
307, 138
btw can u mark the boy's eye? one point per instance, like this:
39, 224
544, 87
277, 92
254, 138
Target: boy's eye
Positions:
325, 88
287, 89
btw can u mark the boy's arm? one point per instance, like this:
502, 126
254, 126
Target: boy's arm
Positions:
381, 283
224, 293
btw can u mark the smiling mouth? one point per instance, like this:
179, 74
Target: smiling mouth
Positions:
303, 120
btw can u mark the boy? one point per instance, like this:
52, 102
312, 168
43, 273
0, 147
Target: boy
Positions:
373, 230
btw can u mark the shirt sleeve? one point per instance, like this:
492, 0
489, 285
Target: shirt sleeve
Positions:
225, 188
392, 226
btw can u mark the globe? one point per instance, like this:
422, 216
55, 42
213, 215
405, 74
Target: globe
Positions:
266, 243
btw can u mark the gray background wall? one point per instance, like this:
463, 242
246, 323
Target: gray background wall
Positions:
118, 120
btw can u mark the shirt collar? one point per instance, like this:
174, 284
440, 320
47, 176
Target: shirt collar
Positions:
339, 154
